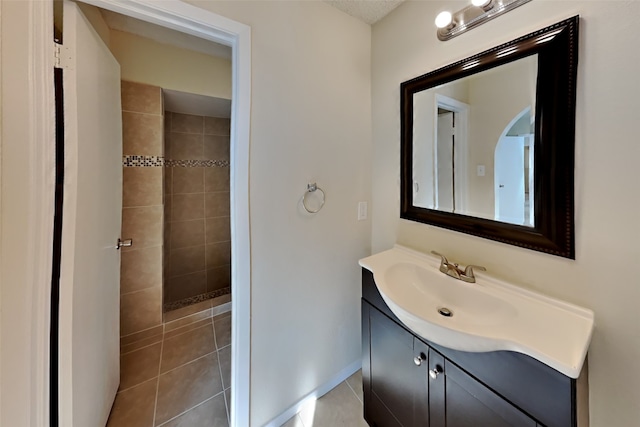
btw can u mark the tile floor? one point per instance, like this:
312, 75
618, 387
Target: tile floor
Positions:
341, 407
182, 380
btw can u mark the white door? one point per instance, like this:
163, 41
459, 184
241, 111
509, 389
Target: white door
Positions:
509, 180
445, 165
90, 265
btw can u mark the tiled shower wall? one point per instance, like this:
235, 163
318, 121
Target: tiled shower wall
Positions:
197, 251
142, 208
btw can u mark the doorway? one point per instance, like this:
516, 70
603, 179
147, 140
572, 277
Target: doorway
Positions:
182, 17
450, 154
514, 171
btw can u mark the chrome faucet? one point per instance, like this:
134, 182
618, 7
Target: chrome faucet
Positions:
453, 270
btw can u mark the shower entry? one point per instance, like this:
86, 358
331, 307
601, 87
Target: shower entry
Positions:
176, 205
197, 231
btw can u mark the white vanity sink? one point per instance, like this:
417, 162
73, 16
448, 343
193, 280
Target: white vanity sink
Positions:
488, 315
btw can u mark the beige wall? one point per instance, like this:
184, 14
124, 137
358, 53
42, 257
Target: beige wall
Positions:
489, 115
142, 211
311, 121
197, 209
146, 61
606, 194
424, 125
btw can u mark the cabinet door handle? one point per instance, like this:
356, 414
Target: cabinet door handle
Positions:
433, 373
418, 359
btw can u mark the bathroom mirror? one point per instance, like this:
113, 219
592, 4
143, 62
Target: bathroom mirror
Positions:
487, 143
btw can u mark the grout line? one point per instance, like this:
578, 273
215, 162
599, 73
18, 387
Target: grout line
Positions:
140, 348
141, 112
190, 330
185, 364
354, 392
144, 330
137, 291
137, 385
155, 405
226, 405
194, 407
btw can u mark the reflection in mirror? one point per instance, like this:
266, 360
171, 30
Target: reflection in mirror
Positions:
487, 143
473, 144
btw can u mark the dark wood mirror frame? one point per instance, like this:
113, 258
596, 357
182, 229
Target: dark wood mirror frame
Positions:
553, 230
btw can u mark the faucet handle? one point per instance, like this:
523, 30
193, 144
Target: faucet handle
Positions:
444, 260
468, 271
446, 267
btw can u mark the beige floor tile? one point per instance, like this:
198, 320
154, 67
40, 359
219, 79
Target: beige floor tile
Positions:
224, 356
294, 421
355, 382
212, 413
134, 407
172, 315
139, 366
187, 347
188, 326
139, 344
129, 339
221, 315
187, 386
222, 326
338, 408
227, 397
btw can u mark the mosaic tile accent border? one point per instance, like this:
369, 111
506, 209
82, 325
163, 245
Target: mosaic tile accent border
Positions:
142, 161
196, 163
131, 161
169, 306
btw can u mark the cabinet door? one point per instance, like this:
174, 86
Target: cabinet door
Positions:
398, 362
459, 400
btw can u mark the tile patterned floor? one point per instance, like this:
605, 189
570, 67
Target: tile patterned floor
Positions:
182, 380
341, 407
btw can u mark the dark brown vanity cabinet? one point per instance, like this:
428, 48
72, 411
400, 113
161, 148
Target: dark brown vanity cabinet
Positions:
409, 382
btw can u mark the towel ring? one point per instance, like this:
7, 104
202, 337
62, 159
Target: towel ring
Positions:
312, 188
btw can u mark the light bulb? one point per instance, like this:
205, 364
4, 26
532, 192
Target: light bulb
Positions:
443, 19
484, 4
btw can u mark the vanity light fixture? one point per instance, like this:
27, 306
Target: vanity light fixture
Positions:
444, 20
480, 11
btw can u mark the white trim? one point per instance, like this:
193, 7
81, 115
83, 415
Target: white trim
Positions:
26, 282
42, 203
315, 394
41, 163
204, 24
461, 153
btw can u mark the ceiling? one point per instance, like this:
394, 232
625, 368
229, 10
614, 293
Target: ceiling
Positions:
127, 24
368, 11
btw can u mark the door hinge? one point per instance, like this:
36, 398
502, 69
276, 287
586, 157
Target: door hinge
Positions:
60, 60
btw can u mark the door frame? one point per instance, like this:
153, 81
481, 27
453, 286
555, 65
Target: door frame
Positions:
29, 155
461, 152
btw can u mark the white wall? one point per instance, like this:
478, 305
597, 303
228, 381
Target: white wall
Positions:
310, 121
607, 198
489, 115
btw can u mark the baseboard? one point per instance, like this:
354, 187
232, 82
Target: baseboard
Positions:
315, 394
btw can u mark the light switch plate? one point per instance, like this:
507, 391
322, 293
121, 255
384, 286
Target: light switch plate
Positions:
362, 211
